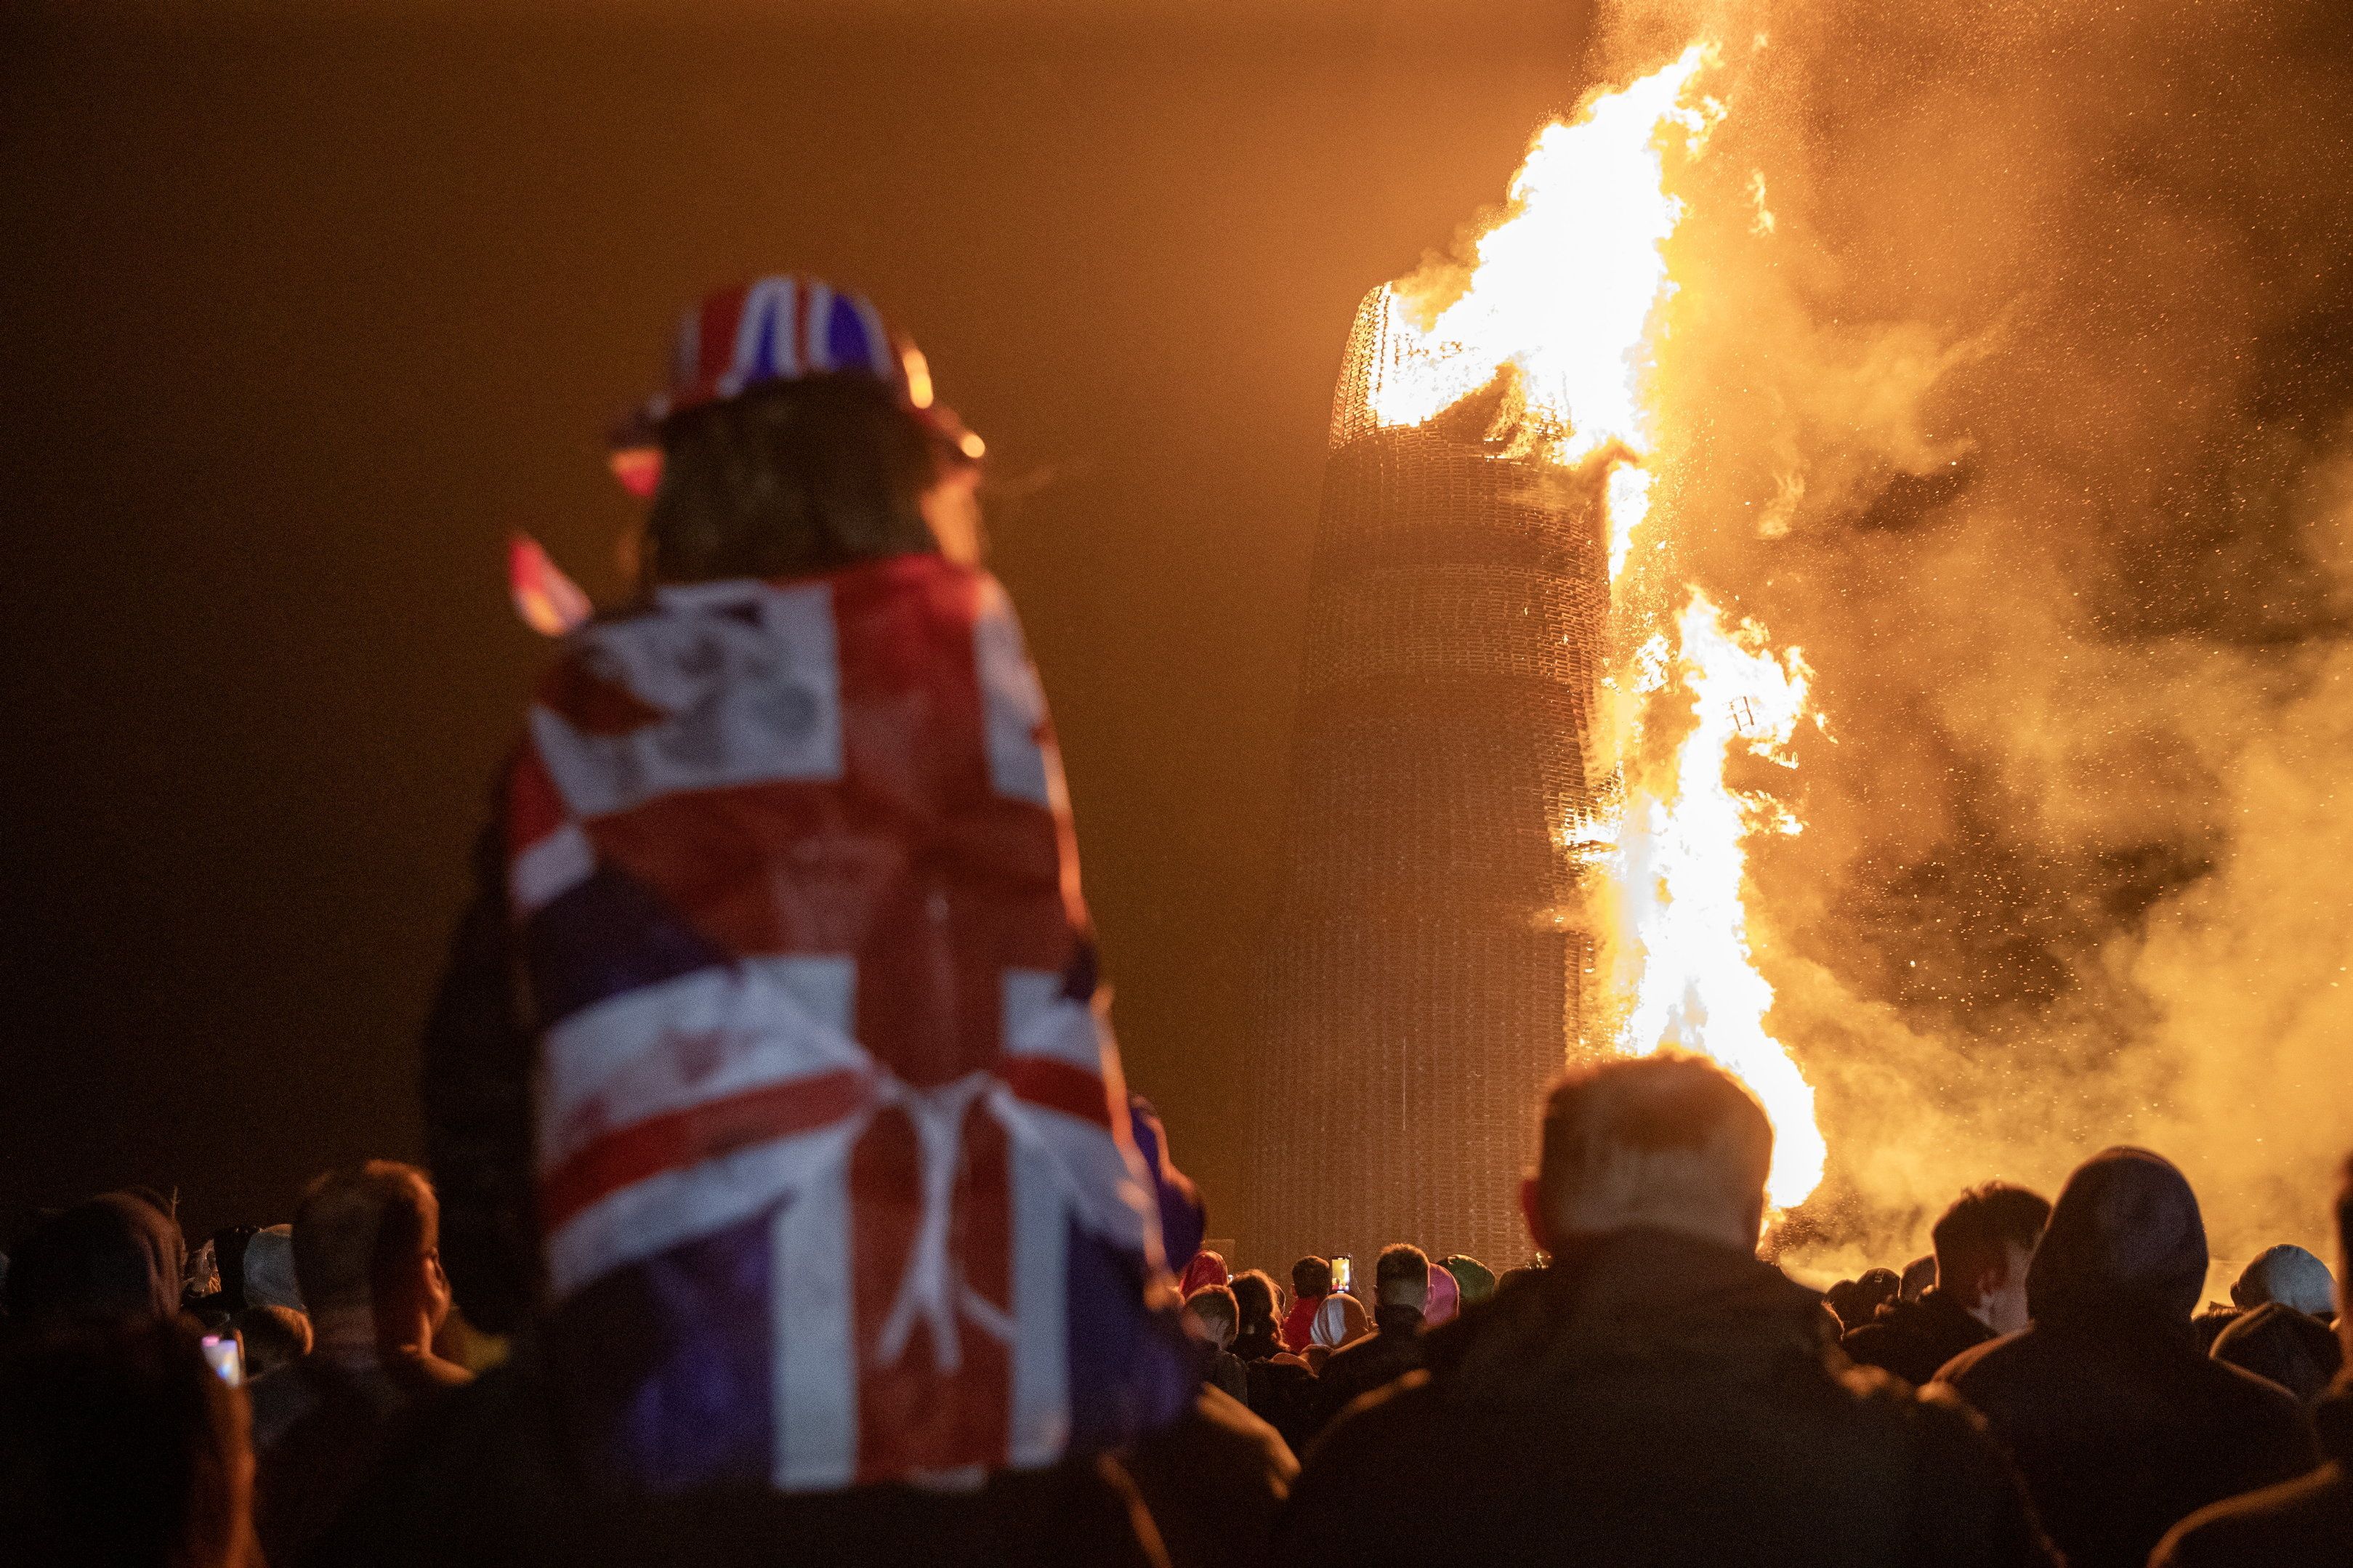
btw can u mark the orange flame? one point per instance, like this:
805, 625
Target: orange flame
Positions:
1565, 292
1683, 948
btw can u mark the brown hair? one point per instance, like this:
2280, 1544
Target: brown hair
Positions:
1400, 1264
1214, 1305
790, 478
1984, 1222
353, 1224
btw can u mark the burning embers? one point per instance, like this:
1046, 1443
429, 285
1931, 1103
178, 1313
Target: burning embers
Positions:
1561, 299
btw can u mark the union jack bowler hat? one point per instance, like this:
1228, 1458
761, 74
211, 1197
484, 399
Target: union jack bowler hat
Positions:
780, 328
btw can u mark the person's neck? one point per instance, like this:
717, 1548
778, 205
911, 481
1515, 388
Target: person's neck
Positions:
344, 1335
349, 1335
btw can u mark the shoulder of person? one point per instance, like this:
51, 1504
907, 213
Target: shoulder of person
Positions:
1868, 1339
1982, 1363
2256, 1392
1964, 1483
2295, 1522
1244, 1431
281, 1398
1358, 1469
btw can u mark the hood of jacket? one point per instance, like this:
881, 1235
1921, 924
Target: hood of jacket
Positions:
115, 1258
2125, 1242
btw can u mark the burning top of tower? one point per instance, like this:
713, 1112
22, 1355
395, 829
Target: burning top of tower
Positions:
1457, 822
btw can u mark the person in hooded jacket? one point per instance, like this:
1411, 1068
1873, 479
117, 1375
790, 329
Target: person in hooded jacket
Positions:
1401, 1297
2120, 1428
2284, 1297
1658, 1394
1984, 1243
2303, 1523
115, 1258
2289, 1276
2282, 1345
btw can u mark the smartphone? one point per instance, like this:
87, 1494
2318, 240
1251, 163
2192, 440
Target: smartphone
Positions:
1343, 1273
225, 1356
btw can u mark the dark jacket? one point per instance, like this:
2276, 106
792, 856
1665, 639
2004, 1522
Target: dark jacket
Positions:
2119, 1425
1280, 1393
1226, 1372
2303, 1524
1214, 1482
1913, 1339
1652, 1398
487, 1480
1392, 1349
320, 1427
2278, 1344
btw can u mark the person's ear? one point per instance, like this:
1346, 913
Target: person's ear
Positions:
1532, 1211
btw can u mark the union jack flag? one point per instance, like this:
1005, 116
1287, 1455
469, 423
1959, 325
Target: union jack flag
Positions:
833, 1168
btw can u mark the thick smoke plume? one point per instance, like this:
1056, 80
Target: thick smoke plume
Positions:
2012, 379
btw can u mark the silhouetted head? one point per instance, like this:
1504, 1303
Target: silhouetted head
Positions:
1985, 1243
2126, 1241
1401, 1277
1669, 1142
117, 1258
274, 1337
1476, 1280
367, 1251
1258, 1305
2290, 1276
1214, 1317
1311, 1275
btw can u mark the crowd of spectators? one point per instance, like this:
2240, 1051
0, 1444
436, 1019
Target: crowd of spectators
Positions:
1648, 1390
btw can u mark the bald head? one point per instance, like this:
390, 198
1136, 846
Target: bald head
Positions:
1664, 1143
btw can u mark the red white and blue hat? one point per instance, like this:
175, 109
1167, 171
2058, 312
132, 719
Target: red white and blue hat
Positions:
779, 328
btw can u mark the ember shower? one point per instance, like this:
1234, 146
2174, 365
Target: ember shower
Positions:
2005, 376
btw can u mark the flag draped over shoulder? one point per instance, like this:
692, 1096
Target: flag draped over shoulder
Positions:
833, 1161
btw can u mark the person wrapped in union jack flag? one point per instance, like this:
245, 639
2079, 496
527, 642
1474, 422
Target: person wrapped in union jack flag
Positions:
772, 1082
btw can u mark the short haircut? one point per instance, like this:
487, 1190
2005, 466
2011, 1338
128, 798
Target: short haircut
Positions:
273, 1336
1983, 1224
1214, 1305
1254, 1301
1400, 1273
1312, 1276
791, 477
353, 1225
1669, 1140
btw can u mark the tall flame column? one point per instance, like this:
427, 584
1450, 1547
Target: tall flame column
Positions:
1420, 984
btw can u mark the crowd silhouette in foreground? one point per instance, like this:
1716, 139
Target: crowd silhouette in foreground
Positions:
784, 1204
1648, 1392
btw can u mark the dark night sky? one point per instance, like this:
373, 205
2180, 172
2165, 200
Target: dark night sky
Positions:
306, 311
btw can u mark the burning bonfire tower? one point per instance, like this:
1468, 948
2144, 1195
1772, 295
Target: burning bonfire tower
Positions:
1490, 477
1421, 983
